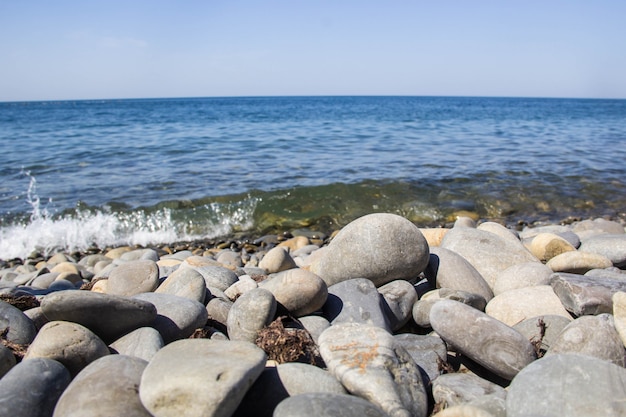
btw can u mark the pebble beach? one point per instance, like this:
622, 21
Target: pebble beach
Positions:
379, 318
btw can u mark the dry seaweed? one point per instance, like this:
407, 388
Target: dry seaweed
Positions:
18, 350
288, 344
22, 302
537, 342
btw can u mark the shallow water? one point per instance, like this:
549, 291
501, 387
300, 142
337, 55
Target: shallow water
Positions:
155, 171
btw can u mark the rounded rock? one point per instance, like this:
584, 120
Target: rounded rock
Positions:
142, 343
327, 405
399, 297
381, 247
277, 259
578, 262
523, 275
301, 292
250, 313
15, 325
133, 277
546, 246
184, 282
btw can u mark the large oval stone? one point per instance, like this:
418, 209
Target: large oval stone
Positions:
133, 277
568, 385
251, 312
71, 344
381, 247
142, 343
108, 316
200, 377
301, 292
184, 282
613, 246
106, 387
16, 326
32, 388
489, 342
368, 363
514, 306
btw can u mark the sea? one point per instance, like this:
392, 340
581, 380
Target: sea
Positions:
100, 173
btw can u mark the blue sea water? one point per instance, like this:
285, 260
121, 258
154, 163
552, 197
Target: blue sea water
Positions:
105, 172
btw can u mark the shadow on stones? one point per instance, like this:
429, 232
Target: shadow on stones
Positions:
286, 340
332, 307
432, 269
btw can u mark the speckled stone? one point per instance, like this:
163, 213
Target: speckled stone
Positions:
200, 377
106, 387
355, 301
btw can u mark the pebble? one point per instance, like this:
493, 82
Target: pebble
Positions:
568, 385
250, 313
327, 405
591, 335
398, 297
522, 275
300, 291
514, 306
277, 259
491, 343
583, 295
422, 307
315, 325
32, 388
217, 309
142, 343
15, 325
177, 317
245, 283
133, 277
200, 377
448, 269
215, 276
546, 246
108, 316
185, 282
458, 388
355, 301
73, 345
381, 247
368, 363
578, 262
106, 387
489, 253
612, 246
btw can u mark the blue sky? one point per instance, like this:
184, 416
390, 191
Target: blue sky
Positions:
53, 50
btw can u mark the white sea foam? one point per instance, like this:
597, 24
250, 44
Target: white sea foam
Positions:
48, 234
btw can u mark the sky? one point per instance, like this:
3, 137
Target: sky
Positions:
83, 49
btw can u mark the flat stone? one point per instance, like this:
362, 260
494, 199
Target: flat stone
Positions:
18, 327
582, 295
301, 292
578, 262
591, 335
611, 272
543, 329
465, 410
133, 277
448, 269
523, 275
106, 387
381, 247
355, 301
369, 364
612, 246
277, 259
487, 341
599, 226
568, 385
250, 313
200, 377
619, 314
398, 297
108, 316
284, 380
546, 246
142, 343
177, 317
327, 405
422, 307
460, 388
489, 253
32, 388
184, 282
71, 344
229, 257
428, 352
514, 306
140, 254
